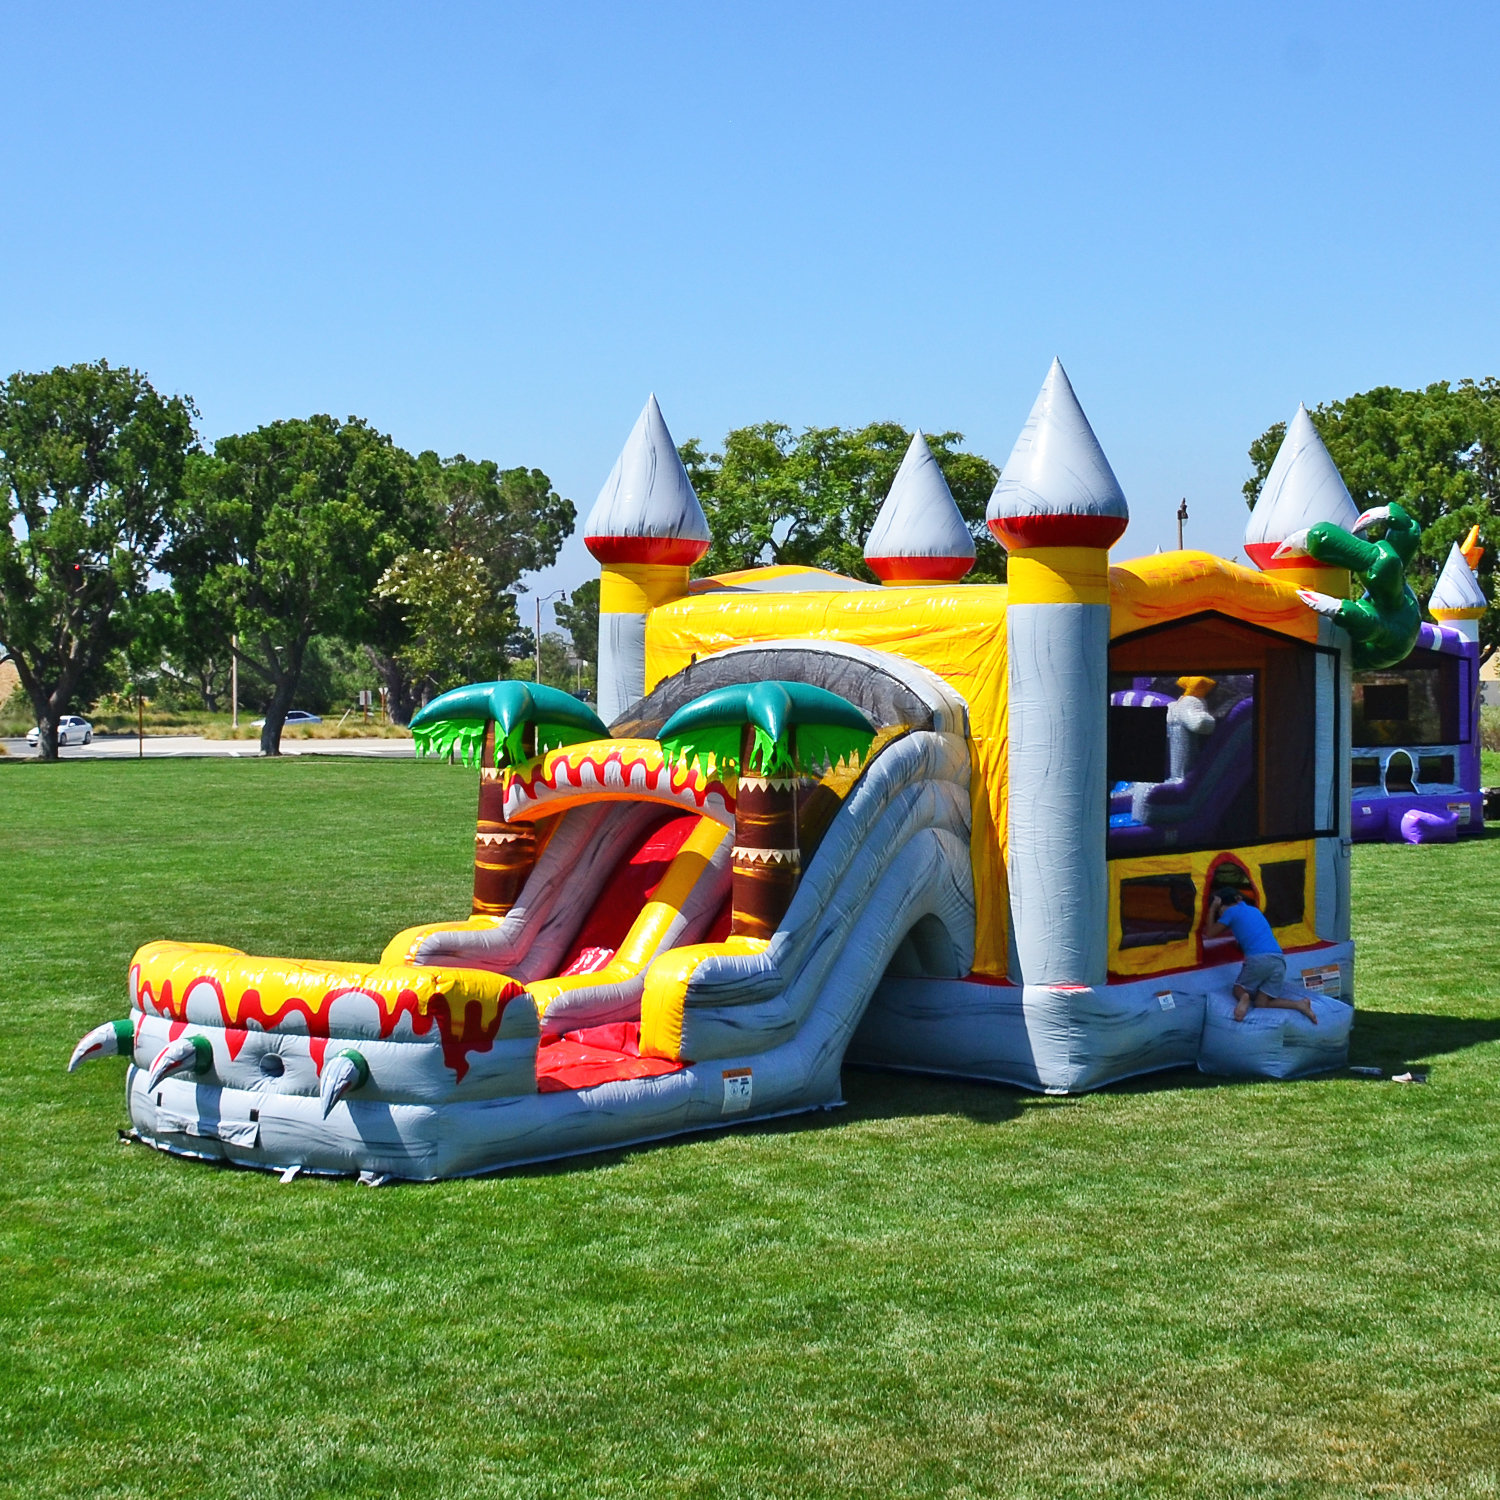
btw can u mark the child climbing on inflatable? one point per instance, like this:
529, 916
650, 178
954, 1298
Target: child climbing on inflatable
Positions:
1264, 970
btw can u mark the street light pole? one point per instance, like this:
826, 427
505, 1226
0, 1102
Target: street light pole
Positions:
1182, 515
540, 600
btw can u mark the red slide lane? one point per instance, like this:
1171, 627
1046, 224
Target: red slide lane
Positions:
631, 885
602, 1054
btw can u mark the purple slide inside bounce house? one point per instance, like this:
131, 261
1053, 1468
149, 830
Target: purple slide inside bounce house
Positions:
1188, 810
1426, 790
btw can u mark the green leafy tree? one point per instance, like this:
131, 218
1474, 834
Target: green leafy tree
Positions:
448, 614
810, 499
91, 474
190, 648
288, 530
558, 668
458, 626
1435, 451
579, 616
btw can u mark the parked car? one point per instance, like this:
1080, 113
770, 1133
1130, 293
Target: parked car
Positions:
71, 730
293, 719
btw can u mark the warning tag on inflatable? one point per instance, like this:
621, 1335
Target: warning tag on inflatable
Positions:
737, 1087
1324, 981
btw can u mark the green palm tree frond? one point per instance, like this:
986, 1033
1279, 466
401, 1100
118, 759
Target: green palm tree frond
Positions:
455, 721
796, 726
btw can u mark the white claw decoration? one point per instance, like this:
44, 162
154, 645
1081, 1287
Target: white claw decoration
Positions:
185, 1052
1323, 604
112, 1039
1368, 518
341, 1075
1295, 543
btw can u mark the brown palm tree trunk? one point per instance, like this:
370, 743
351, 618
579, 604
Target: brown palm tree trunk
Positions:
503, 852
766, 863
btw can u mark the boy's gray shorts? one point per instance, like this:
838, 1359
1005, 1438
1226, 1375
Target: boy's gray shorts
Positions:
1264, 972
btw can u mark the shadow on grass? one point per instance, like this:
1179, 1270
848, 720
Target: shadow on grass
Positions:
1385, 1038
869, 1094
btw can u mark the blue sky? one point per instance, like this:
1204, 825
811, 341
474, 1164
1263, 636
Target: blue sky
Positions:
494, 230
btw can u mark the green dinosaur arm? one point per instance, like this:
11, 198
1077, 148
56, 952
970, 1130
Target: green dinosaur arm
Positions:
1333, 545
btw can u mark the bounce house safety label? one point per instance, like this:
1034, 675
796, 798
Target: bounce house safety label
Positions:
1324, 981
737, 1087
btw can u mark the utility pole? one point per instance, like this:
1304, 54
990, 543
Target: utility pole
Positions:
1182, 515
541, 599
234, 682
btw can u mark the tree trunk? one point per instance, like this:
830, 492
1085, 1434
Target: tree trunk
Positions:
46, 706
286, 675
766, 864
503, 852
400, 690
46, 723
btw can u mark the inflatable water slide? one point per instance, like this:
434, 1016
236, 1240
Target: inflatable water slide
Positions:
966, 829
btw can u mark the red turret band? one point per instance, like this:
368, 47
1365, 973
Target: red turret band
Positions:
919, 569
1022, 533
683, 550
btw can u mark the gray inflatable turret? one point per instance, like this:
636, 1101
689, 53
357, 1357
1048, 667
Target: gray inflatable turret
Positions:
646, 529
919, 536
1057, 509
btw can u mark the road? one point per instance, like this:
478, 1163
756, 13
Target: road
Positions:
123, 747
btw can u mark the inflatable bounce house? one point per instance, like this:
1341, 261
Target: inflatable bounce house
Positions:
1414, 719
1416, 763
970, 830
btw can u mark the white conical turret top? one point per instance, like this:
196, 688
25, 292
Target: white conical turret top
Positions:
647, 511
919, 535
1457, 587
1303, 488
1057, 488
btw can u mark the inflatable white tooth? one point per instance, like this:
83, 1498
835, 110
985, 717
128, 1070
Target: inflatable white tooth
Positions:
195, 1052
112, 1039
342, 1075
1323, 604
1367, 518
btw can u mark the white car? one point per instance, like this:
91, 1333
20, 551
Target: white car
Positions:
294, 717
71, 730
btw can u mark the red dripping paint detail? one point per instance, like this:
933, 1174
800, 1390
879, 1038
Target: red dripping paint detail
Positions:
471, 1035
458, 1039
669, 780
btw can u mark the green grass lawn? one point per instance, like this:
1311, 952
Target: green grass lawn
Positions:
1279, 1289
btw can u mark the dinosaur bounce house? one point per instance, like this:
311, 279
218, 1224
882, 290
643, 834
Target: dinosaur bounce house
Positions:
969, 830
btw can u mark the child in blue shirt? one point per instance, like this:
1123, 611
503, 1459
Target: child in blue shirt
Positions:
1264, 970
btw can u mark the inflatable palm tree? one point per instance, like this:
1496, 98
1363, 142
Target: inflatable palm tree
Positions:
497, 726
529, 719
766, 733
